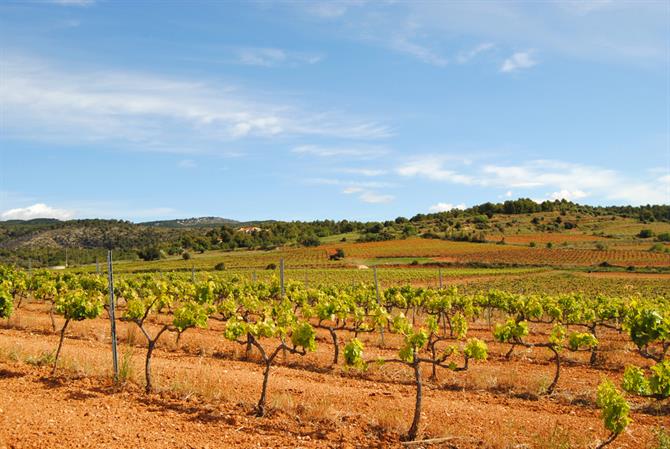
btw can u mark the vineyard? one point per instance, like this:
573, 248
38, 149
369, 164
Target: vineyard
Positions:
336, 364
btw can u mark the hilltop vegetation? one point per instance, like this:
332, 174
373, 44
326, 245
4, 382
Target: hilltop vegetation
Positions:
49, 242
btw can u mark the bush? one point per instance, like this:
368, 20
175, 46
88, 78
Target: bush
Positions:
271, 266
532, 244
149, 253
664, 237
220, 266
550, 245
339, 254
310, 240
645, 233
186, 255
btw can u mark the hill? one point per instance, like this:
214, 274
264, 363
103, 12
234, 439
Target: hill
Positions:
47, 242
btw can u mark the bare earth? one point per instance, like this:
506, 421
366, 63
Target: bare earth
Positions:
207, 392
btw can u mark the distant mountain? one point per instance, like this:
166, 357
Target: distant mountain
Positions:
195, 222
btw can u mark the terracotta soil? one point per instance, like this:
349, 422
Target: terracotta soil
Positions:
206, 393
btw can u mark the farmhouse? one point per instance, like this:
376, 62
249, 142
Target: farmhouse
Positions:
249, 229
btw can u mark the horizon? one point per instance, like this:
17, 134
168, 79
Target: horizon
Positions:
301, 111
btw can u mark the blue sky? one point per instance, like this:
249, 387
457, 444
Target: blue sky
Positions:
309, 110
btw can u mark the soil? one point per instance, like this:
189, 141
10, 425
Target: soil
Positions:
206, 394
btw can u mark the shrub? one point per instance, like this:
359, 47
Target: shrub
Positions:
532, 244
186, 255
220, 266
310, 240
271, 266
149, 253
338, 255
664, 237
645, 233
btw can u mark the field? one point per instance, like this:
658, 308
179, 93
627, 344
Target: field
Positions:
205, 386
205, 391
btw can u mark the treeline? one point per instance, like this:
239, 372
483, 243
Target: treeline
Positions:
648, 213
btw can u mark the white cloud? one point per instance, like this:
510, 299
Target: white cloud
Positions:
356, 152
150, 112
518, 61
466, 56
352, 189
273, 57
39, 210
570, 180
569, 195
445, 207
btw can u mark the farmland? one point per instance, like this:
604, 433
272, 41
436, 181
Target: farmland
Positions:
517, 335
204, 383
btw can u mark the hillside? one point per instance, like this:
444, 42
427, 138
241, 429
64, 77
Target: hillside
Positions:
46, 242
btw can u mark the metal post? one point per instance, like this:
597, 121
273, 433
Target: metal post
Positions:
281, 276
97, 265
112, 318
374, 271
439, 270
253, 276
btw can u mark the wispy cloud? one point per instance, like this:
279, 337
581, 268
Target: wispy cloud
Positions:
567, 180
518, 61
370, 172
466, 56
73, 2
404, 45
369, 196
38, 210
187, 163
354, 152
150, 112
273, 57
366, 191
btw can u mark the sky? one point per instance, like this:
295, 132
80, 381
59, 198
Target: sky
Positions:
366, 110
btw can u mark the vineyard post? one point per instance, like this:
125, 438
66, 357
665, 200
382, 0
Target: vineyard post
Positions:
65, 257
30, 267
193, 273
281, 276
374, 272
97, 265
112, 318
439, 272
253, 276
